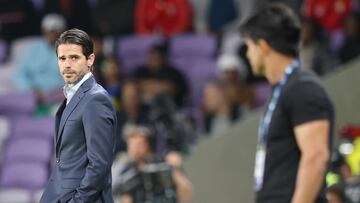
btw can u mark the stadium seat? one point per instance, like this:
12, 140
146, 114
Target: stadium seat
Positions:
30, 176
132, 50
17, 103
190, 46
33, 127
36, 150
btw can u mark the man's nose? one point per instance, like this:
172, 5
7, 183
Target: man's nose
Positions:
67, 63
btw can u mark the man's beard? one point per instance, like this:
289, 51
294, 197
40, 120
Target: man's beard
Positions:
77, 79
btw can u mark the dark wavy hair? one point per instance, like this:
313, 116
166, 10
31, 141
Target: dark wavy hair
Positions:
76, 36
277, 24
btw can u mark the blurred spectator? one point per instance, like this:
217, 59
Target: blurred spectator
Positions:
233, 74
348, 183
165, 17
132, 110
17, 19
329, 13
77, 13
38, 69
98, 41
157, 77
219, 112
352, 190
335, 194
220, 16
314, 52
148, 177
175, 133
111, 72
114, 17
351, 46
221, 13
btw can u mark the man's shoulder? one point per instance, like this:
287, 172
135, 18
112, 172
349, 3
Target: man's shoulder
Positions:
304, 78
305, 86
97, 91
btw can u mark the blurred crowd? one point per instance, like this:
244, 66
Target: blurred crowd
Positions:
160, 90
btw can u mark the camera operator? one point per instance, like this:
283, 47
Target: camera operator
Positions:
147, 178
178, 133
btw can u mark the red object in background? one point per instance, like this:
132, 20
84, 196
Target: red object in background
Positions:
330, 13
350, 131
166, 17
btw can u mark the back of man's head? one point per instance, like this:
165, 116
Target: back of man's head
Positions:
277, 24
140, 140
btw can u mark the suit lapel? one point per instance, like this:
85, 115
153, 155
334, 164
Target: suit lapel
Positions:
72, 104
58, 117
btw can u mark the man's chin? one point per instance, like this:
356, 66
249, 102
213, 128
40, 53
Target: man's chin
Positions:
69, 82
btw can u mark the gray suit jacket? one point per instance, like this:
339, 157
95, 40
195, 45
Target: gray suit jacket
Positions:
84, 147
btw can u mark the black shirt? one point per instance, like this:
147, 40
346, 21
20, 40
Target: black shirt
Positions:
169, 74
302, 99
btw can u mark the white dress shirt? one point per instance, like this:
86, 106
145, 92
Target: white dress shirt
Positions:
70, 89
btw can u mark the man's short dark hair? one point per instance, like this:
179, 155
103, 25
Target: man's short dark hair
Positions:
147, 131
76, 36
160, 49
277, 24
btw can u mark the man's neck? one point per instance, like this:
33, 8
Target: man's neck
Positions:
78, 80
275, 67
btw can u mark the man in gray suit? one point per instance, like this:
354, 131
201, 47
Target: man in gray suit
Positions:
85, 128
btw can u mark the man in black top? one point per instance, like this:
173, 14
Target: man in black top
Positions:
295, 131
158, 77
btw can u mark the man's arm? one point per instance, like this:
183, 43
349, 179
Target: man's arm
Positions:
99, 124
313, 140
183, 184
22, 77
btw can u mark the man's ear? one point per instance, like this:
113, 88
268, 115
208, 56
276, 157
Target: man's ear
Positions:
90, 60
264, 46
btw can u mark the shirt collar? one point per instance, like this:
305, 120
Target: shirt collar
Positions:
70, 89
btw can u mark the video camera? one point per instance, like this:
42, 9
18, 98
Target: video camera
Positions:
164, 115
152, 184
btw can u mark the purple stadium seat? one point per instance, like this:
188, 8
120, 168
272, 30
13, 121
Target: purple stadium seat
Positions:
3, 51
192, 46
261, 93
132, 50
29, 149
33, 127
17, 103
198, 74
15, 196
183, 64
30, 176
